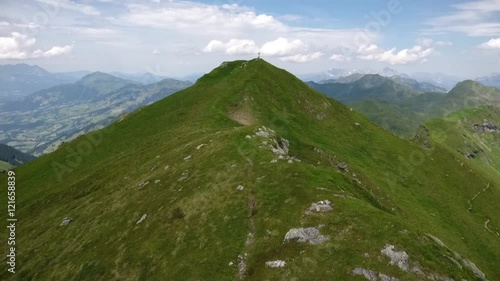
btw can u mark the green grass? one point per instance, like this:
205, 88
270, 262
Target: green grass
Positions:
196, 227
5, 166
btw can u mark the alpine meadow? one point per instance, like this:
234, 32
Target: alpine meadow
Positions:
198, 140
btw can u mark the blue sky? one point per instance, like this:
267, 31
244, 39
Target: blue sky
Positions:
176, 38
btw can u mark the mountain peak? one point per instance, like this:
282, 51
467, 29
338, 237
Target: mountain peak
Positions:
103, 82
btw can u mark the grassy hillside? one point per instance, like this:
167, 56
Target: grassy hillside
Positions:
400, 109
368, 87
5, 166
473, 134
391, 117
193, 187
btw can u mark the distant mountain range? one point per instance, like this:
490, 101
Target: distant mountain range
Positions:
19, 80
492, 80
400, 106
440, 80
412, 83
336, 73
39, 122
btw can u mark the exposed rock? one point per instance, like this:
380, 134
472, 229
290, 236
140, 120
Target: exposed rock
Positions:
276, 264
187, 158
372, 275
486, 127
384, 277
282, 147
183, 177
357, 124
240, 187
262, 133
248, 137
320, 207
310, 235
400, 259
474, 269
66, 221
467, 263
142, 219
290, 161
157, 181
143, 184
167, 167
242, 266
231, 263
343, 167
368, 274
200, 146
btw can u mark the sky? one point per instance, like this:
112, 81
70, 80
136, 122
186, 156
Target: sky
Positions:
177, 38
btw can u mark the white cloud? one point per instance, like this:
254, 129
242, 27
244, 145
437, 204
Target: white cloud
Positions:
70, 5
340, 58
443, 43
474, 18
180, 14
4, 24
232, 47
53, 52
283, 47
20, 46
417, 53
300, 58
15, 47
493, 44
156, 52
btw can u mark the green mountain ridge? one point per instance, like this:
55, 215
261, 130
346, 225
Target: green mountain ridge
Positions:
472, 134
217, 182
401, 109
13, 156
412, 83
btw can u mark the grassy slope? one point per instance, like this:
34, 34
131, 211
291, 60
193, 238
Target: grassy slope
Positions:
400, 121
5, 166
196, 227
462, 137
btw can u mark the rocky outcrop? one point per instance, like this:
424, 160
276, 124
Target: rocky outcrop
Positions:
372, 275
276, 264
66, 221
486, 127
400, 259
320, 207
279, 146
142, 219
368, 274
343, 167
309, 235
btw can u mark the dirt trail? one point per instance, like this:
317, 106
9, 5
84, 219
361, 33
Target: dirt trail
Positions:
475, 196
489, 229
242, 266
